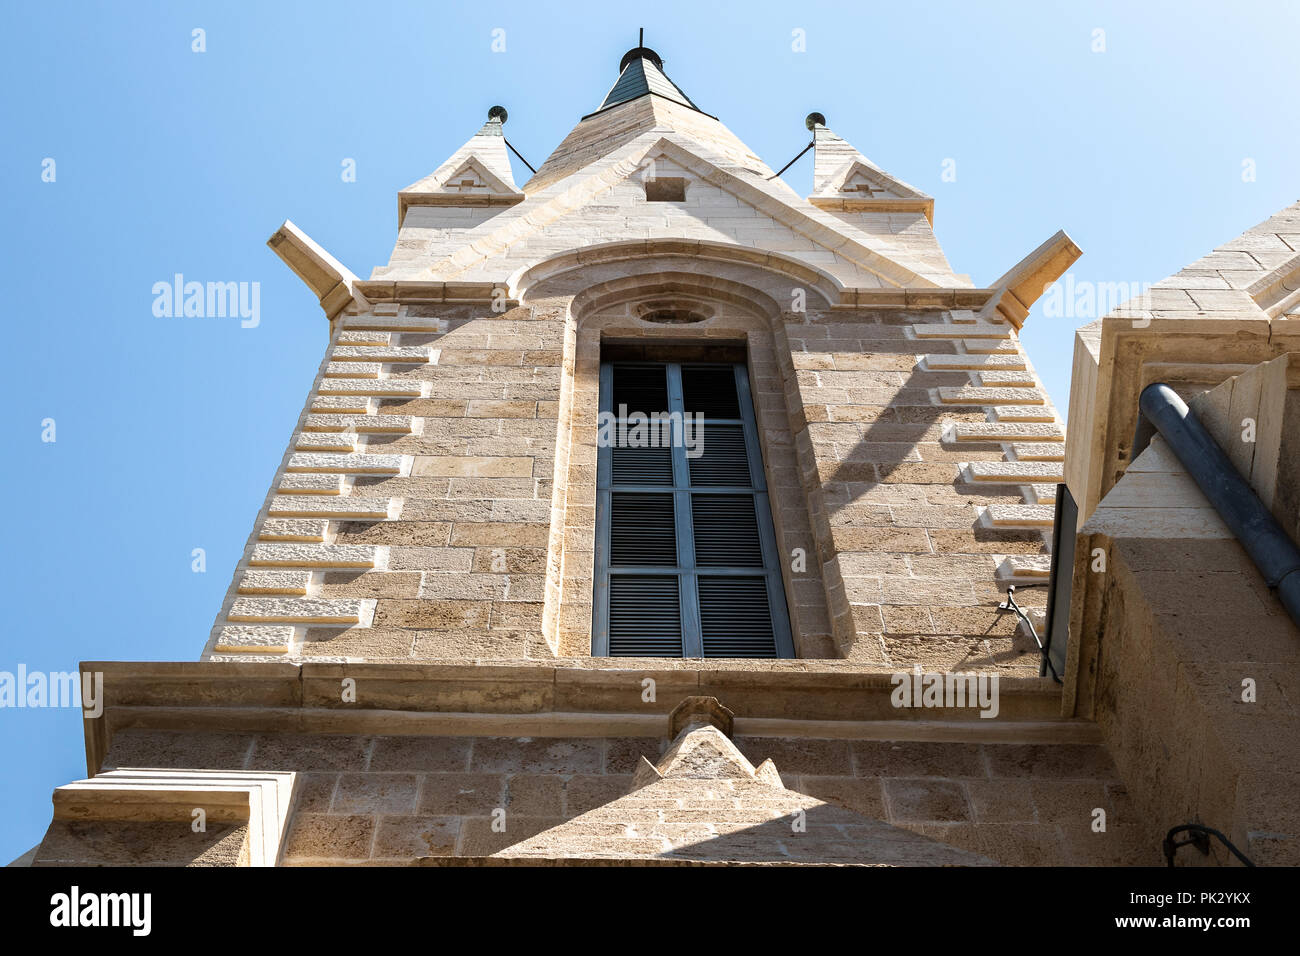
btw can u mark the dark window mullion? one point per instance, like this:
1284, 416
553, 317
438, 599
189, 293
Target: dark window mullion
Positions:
604, 469
751, 428
692, 643
772, 557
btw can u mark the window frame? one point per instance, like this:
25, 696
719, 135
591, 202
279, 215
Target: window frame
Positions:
686, 571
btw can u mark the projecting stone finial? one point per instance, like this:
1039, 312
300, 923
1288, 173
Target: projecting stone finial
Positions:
813, 120
700, 710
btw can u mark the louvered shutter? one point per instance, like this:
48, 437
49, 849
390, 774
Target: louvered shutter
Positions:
686, 562
735, 617
725, 531
645, 618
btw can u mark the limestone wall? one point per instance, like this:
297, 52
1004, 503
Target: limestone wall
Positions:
911, 455
410, 516
403, 799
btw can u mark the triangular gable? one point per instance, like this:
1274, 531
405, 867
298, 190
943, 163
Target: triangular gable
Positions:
864, 180
846, 181
471, 178
877, 255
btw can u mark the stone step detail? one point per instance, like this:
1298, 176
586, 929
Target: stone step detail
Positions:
275, 582
1018, 568
1001, 378
327, 441
404, 354
993, 346
1038, 451
1008, 431
1043, 494
346, 464
394, 323
243, 639
1023, 413
1020, 516
314, 556
372, 387
382, 424
971, 395
1013, 472
962, 330
305, 484
365, 338
299, 506
292, 529
297, 610
342, 404
974, 363
353, 370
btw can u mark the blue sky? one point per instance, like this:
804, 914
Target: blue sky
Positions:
169, 429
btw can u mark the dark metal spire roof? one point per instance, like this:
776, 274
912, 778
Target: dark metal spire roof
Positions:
641, 72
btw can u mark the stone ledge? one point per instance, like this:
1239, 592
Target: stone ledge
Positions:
287, 695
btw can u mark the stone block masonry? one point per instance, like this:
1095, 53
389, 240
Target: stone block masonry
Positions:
410, 517
906, 463
406, 799
429, 494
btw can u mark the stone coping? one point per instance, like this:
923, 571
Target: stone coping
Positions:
411, 291
582, 697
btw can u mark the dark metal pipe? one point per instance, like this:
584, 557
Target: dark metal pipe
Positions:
793, 161
521, 157
1273, 552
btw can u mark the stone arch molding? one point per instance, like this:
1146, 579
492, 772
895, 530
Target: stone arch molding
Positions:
717, 268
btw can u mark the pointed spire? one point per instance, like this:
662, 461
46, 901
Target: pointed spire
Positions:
641, 73
842, 176
477, 173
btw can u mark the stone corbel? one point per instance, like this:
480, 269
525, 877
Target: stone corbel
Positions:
1023, 284
331, 281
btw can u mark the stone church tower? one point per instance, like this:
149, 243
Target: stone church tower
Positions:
483, 614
